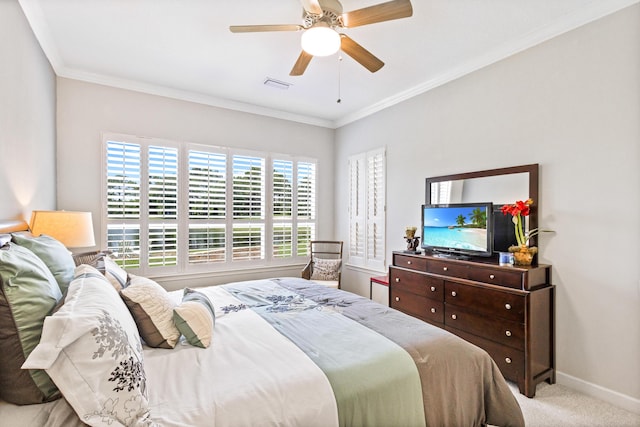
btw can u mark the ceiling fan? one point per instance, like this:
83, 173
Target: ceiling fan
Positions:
322, 19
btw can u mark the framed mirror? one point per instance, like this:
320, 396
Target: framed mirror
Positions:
500, 186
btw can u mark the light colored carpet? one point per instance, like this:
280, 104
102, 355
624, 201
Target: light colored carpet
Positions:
559, 406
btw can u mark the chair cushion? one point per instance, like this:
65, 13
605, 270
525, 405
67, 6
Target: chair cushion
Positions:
325, 269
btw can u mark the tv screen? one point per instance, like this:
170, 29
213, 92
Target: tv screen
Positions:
458, 229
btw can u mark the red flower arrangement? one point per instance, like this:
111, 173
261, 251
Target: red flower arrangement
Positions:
519, 210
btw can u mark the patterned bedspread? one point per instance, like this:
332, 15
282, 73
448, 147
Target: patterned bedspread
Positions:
289, 352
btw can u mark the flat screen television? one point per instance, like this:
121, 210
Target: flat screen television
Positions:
458, 230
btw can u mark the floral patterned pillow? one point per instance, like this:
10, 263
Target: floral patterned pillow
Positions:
325, 269
92, 351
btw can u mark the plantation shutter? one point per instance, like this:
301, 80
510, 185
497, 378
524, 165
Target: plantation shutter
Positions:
163, 206
357, 209
207, 207
123, 180
306, 206
376, 207
248, 208
173, 207
282, 208
367, 209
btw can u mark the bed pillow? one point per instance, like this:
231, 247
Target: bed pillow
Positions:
28, 293
195, 318
325, 269
152, 310
92, 350
106, 265
4, 239
54, 254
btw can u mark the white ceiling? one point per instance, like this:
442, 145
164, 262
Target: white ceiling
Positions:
184, 49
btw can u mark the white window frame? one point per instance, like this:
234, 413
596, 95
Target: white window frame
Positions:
367, 209
298, 255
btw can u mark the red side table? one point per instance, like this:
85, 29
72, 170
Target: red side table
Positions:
381, 280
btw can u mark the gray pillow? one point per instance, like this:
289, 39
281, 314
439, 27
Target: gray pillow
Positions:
28, 293
54, 254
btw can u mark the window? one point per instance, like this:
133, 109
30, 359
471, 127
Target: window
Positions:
174, 207
367, 209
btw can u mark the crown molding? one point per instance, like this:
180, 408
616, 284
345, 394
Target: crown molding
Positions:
596, 10
194, 97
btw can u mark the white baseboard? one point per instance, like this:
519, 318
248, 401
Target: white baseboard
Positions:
620, 400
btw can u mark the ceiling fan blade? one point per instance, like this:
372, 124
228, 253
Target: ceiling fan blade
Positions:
301, 64
312, 6
378, 13
360, 54
262, 28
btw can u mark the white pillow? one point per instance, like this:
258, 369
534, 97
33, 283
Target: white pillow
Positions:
91, 349
152, 310
325, 269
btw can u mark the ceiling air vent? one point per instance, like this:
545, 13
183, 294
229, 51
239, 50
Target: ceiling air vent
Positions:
276, 83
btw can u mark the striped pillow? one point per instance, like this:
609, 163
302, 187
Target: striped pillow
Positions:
195, 318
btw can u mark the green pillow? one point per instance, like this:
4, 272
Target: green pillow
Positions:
195, 318
54, 254
28, 293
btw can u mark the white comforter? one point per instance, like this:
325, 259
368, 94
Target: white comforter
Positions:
276, 385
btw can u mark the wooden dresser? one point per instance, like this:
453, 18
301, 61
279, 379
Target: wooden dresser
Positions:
508, 311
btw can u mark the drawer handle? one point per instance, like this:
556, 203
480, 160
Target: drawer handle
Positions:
445, 268
508, 333
491, 276
397, 279
397, 299
433, 310
408, 262
454, 317
433, 289
453, 293
507, 359
507, 306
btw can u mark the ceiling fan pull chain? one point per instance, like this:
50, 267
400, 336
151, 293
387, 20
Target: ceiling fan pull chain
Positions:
339, 75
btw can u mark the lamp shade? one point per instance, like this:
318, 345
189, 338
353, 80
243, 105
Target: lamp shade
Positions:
72, 229
320, 40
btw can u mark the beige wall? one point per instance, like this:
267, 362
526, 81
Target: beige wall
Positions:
86, 110
27, 119
572, 105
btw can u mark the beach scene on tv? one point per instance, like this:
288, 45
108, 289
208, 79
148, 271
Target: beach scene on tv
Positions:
455, 227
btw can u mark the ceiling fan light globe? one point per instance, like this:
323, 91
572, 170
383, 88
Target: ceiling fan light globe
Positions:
320, 41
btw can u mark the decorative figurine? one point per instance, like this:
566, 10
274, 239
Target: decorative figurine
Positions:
412, 240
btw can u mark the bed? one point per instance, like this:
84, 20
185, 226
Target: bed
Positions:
282, 351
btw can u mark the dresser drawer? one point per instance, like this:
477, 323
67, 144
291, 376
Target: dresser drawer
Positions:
447, 269
502, 331
495, 276
424, 308
509, 361
417, 283
413, 263
492, 302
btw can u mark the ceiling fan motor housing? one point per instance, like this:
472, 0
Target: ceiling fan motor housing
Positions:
331, 14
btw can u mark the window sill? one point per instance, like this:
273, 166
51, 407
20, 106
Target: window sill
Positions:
174, 281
